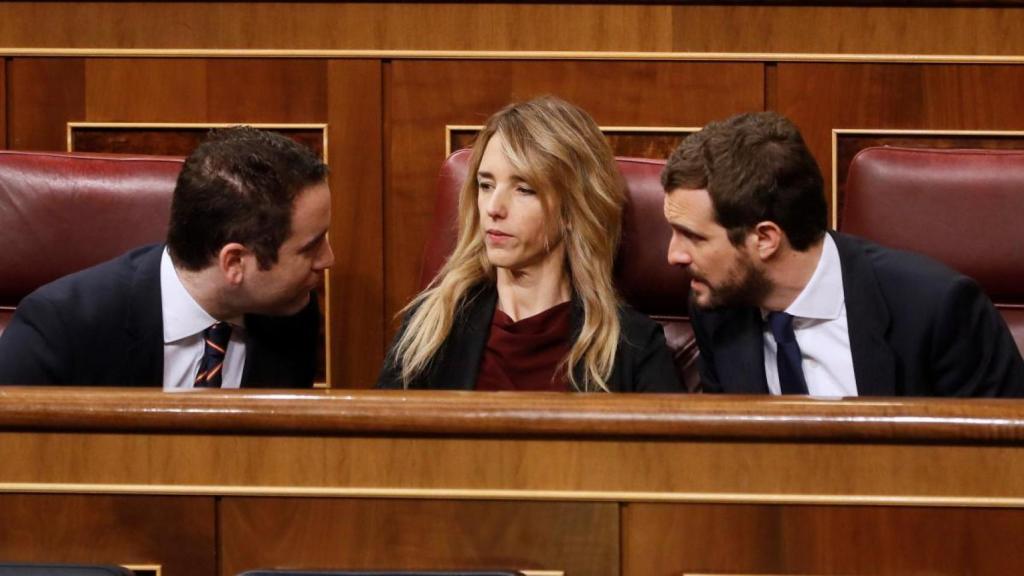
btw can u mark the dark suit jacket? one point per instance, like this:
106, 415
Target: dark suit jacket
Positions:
916, 328
643, 362
103, 327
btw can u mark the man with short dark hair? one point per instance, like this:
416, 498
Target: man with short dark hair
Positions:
226, 303
782, 305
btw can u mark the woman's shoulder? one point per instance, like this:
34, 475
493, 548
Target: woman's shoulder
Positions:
632, 320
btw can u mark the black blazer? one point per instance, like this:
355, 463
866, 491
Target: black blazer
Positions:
916, 328
103, 326
643, 362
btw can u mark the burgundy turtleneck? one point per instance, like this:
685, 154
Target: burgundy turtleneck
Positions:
524, 355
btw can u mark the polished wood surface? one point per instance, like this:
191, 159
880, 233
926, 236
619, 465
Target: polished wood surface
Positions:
492, 26
589, 484
3, 103
519, 414
176, 533
356, 158
43, 94
560, 446
745, 539
580, 538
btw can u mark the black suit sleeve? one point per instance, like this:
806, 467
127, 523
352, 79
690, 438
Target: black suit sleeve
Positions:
643, 361
34, 349
709, 380
655, 370
973, 353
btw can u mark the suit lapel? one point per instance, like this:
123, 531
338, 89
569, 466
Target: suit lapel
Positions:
144, 326
740, 354
867, 316
465, 347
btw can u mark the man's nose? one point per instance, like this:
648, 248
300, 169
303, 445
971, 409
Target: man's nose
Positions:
326, 259
678, 254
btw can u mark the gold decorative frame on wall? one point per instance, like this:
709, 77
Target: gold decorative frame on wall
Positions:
452, 131
77, 128
145, 569
939, 139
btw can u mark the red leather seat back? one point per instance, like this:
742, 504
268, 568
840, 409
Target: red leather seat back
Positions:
960, 207
62, 212
642, 273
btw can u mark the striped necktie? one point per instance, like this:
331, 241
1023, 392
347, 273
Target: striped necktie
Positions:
215, 340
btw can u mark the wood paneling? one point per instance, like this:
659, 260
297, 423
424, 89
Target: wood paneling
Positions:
526, 414
254, 90
355, 118
315, 25
358, 440
653, 498
44, 94
579, 538
849, 30
3, 102
426, 96
823, 97
176, 533
710, 539
488, 26
146, 90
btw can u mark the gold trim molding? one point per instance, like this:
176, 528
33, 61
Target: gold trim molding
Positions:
837, 133
525, 495
12, 52
449, 128
154, 569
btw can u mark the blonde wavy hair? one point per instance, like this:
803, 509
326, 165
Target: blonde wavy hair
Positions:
562, 154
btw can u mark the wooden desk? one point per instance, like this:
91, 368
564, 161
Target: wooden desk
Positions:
216, 482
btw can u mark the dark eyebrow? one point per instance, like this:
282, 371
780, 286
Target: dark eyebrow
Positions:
312, 243
687, 231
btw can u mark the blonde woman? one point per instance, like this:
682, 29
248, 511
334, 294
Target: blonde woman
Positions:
526, 301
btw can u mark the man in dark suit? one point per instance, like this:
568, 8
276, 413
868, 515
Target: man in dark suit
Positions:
781, 305
226, 303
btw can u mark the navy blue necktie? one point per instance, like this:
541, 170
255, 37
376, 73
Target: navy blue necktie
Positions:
215, 344
787, 356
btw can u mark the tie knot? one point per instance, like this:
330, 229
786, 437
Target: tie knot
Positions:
782, 327
218, 334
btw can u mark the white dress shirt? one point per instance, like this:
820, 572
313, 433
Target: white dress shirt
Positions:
819, 323
184, 322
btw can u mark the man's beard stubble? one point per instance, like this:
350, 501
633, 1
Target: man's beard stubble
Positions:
747, 286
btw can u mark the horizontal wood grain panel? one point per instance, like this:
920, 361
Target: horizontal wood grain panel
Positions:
653, 28
577, 537
522, 414
175, 534
727, 540
436, 467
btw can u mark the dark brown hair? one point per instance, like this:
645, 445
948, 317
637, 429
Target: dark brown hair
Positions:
239, 185
755, 167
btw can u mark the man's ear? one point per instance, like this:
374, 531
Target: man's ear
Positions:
768, 239
232, 262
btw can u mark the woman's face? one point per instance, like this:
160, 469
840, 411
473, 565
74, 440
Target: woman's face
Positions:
519, 233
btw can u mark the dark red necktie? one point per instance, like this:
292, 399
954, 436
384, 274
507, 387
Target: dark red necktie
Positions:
215, 346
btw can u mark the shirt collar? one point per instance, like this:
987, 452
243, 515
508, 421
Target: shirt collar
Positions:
823, 297
183, 316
